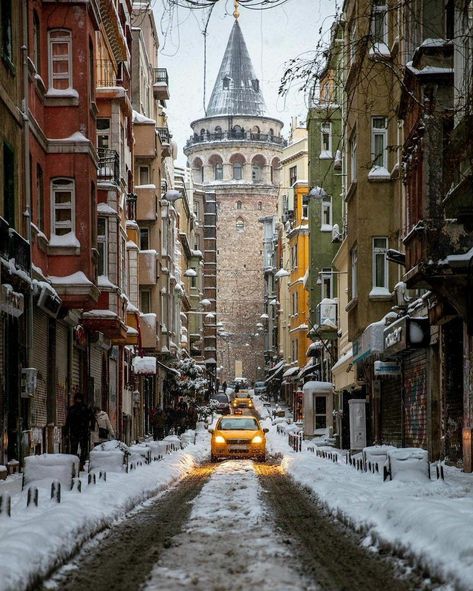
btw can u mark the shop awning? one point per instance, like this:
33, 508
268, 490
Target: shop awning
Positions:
343, 361
371, 341
308, 370
276, 372
169, 369
144, 365
291, 371
314, 348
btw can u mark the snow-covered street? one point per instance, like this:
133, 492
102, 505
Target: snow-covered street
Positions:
229, 541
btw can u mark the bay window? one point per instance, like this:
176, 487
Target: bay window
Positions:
60, 59
63, 206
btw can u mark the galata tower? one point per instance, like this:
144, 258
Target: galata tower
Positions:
234, 153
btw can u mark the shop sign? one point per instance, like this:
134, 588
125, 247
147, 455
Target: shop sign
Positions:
406, 333
11, 302
387, 368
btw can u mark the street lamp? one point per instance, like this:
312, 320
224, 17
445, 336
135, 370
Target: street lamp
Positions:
172, 195
281, 273
317, 193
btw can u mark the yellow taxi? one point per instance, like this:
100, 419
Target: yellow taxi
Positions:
238, 437
242, 400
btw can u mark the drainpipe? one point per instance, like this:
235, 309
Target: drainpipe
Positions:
27, 183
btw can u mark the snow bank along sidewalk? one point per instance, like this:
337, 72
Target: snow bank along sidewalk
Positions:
228, 542
36, 539
432, 520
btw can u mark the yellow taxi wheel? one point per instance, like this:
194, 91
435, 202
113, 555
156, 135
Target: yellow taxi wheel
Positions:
213, 458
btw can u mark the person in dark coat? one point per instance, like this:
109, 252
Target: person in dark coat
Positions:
157, 419
79, 422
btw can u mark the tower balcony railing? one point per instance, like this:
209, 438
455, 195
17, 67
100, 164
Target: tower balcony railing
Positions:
235, 136
108, 165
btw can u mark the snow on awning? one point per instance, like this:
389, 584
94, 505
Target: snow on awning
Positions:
313, 348
371, 341
277, 370
290, 372
169, 369
308, 369
314, 386
144, 365
276, 367
343, 360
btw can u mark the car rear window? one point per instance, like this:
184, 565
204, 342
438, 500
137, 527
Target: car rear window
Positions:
220, 398
248, 424
259, 384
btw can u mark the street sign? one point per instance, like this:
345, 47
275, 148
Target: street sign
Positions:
387, 368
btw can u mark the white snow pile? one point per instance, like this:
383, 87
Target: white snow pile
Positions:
430, 519
34, 541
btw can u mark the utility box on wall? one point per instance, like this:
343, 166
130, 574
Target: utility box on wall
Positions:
357, 423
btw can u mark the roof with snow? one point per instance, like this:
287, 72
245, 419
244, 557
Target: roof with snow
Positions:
237, 89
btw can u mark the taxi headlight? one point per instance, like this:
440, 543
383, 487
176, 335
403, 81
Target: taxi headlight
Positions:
219, 439
257, 439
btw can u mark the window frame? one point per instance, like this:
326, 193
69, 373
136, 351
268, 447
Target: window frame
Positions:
6, 30
318, 415
36, 42
354, 272
66, 39
148, 309
102, 243
353, 156
381, 132
237, 166
145, 236
240, 224
379, 11
326, 287
256, 173
292, 175
55, 207
376, 252
142, 168
218, 171
326, 206
326, 131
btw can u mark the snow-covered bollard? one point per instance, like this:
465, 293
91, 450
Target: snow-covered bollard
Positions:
5, 505
375, 457
110, 456
409, 463
76, 484
188, 438
173, 442
141, 452
32, 498
3, 472
56, 491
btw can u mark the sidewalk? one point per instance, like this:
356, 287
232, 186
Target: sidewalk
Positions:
35, 540
431, 520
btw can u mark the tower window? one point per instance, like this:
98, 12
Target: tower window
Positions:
255, 84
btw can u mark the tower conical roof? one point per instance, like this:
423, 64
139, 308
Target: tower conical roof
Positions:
237, 89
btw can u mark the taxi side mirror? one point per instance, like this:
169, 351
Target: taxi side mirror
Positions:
210, 430
265, 430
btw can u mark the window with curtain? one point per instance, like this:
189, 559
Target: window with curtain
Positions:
380, 263
237, 171
379, 136
102, 268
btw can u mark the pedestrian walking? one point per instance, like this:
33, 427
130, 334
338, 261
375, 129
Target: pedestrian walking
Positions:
103, 430
79, 422
158, 421
224, 387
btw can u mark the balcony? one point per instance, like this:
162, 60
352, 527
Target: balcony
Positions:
161, 84
147, 267
146, 202
14, 247
106, 74
165, 139
145, 139
108, 166
236, 136
106, 322
148, 331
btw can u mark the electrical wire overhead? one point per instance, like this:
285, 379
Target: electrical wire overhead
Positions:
250, 4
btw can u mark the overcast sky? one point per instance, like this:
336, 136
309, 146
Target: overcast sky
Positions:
272, 36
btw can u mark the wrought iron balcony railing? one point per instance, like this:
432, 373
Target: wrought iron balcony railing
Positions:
109, 165
236, 135
161, 76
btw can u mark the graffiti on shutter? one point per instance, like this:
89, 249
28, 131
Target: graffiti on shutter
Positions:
61, 372
39, 356
391, 413
415, 399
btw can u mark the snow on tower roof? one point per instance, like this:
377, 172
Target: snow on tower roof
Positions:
237, 89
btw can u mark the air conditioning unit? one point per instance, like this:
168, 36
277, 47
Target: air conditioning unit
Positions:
28, 381
49, 301
336, 234
327, 314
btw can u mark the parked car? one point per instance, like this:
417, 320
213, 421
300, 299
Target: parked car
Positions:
260, 388
222, 402
238, 437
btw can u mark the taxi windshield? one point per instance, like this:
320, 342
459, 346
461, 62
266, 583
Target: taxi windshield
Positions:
248, 424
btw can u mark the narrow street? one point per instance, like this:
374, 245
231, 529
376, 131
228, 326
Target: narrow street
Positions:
232, 526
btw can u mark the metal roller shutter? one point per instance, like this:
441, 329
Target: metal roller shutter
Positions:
62, 348
415, 399
452, 390
391, 411
39, 357
95, 372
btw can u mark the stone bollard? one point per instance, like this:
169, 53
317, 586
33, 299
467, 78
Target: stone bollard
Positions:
56, 491
5, 505
32, 497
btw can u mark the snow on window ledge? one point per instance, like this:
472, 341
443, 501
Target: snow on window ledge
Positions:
66, 241
325, 155
379, 49
58, 93
379, 173
326, 228
380, 293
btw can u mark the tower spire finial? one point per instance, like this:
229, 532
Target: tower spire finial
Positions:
236, 12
